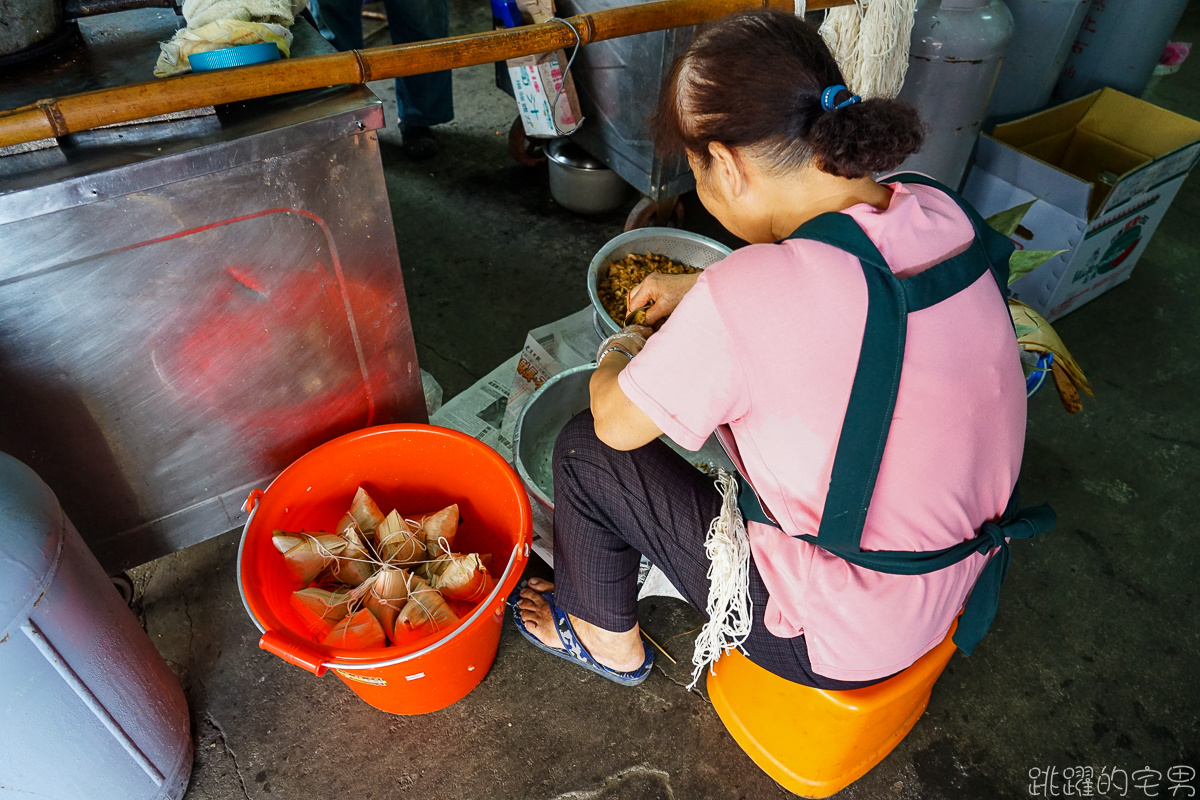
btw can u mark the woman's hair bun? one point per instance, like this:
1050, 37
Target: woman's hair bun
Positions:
871, 136
754, 81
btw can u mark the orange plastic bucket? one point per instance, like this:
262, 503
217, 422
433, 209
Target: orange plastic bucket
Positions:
415, 468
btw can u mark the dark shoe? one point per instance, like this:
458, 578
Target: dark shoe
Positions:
418, 143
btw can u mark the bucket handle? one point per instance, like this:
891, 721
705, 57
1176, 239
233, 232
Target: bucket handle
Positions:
293, 652
251, 503
290, 650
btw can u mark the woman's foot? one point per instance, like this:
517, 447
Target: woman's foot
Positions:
622, 652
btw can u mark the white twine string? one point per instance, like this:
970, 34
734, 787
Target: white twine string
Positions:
481, 590
355, 596
329, 606
324, 552
411, 537
870, 41
729, 605
328, 556
412, 597
396, 603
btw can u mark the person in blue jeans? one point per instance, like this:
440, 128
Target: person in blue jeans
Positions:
422, 100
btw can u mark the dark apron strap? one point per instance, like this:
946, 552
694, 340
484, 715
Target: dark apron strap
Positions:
873, 392
997, 247
881, 356
872, 403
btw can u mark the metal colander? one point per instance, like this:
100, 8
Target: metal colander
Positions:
679, 246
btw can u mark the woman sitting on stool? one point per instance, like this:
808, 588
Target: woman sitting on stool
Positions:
869, 490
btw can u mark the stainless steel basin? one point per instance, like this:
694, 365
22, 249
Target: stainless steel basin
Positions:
558, 399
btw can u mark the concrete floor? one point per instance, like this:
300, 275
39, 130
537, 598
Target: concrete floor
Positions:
1090, 662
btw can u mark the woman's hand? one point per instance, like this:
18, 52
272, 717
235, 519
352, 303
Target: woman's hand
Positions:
664, 291
629, 341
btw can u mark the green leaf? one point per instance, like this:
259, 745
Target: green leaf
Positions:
1007, 221
1024, 330
1023, 262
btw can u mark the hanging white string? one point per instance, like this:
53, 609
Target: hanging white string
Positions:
562, 84
870, 41
801, 7
729, 605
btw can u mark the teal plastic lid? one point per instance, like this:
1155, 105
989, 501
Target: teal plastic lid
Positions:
239, 56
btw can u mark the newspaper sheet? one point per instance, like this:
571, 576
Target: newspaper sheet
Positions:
479, 411
550, 349
489, 409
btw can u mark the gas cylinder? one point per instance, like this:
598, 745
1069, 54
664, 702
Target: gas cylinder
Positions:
1118, 45
1043, 32
88, 708
957, 49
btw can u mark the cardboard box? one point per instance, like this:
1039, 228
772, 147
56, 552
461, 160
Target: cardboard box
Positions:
539, 80
1103, 169
536, 81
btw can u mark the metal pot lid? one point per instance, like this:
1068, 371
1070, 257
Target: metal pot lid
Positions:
566, 152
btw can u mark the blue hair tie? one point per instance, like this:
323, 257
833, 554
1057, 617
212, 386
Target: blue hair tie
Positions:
830, 94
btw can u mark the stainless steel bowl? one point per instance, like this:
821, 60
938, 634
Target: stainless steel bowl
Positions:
548, 410
679, 246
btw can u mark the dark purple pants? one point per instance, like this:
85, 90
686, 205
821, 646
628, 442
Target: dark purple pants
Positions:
612, 507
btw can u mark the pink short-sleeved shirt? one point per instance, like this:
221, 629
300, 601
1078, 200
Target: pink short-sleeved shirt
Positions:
767, 343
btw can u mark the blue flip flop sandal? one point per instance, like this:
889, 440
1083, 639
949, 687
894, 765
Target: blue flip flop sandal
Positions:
572, 650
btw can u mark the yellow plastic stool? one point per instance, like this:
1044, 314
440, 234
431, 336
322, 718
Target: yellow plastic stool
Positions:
815, 742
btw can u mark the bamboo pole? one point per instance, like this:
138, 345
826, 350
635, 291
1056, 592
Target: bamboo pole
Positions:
80, 112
